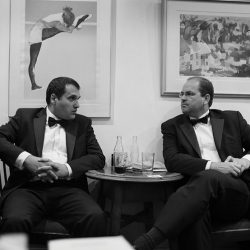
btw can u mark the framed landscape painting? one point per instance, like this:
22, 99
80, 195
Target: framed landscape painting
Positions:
209, 39
83, 54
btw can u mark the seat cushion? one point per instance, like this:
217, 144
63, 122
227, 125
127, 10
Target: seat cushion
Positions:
233, 231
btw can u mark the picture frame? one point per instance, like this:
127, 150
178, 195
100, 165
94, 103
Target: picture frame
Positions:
84, 55
189, 48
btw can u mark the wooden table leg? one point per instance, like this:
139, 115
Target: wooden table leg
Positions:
116, 210
149, 212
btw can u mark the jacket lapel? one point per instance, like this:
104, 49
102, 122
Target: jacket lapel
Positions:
39, 130
188, 131
217, 127
71, 131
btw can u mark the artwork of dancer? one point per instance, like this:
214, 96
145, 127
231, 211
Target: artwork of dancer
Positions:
48, 27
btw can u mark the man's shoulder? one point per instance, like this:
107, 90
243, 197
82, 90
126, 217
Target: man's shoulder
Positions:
82, 118
29, 111
223, 113
174, 120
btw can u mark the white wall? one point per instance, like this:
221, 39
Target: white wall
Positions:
4, 60
138, 108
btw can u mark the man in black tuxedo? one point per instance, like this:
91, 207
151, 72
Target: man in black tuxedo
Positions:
48, 151
211, 149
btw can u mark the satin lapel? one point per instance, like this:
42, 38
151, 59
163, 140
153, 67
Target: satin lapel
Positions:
217, 127
71, 130
188, 131
39, 130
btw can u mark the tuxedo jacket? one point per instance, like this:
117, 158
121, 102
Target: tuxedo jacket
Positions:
181, 151
25, 132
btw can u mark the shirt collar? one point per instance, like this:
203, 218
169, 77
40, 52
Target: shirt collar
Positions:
50, 114
205, 114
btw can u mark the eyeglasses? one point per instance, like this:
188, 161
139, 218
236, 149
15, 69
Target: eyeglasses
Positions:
188, 94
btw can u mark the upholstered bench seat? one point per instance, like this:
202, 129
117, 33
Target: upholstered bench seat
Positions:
231, 232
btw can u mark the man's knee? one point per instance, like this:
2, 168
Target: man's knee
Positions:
208, 176
15, 224
206, 182
210, 173
98, 217
91, 225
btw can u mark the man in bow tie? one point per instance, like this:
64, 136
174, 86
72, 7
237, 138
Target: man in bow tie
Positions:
48, 151
213, 155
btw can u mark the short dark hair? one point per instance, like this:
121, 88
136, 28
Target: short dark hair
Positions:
68, 16
205, 87
57, 87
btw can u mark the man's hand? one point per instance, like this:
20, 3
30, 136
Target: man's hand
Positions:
46, 174
243, 163
227, 167
32, 163
60, 170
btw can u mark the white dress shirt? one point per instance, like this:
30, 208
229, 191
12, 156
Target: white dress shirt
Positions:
54, 144
204, 134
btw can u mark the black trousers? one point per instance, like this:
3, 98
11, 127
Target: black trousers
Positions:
74, 208
208, 194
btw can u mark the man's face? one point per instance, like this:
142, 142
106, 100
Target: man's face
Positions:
192, 103
66, 106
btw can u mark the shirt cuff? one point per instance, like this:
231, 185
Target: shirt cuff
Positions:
246, 157
69, 169
208, 165
20, 160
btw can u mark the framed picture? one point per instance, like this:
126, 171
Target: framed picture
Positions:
209, 39
40, 53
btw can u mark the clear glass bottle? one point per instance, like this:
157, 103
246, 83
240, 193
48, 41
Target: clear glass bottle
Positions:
134, 153
117, 150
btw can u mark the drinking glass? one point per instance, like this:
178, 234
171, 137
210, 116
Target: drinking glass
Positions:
148, 159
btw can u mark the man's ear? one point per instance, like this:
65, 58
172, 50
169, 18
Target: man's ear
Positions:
207, 99
53, 98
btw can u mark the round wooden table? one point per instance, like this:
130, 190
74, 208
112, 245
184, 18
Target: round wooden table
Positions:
133, 186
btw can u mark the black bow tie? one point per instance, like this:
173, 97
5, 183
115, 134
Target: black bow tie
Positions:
201, 120
52, 122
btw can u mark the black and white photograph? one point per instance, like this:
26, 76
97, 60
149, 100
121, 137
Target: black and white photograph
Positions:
125, 125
